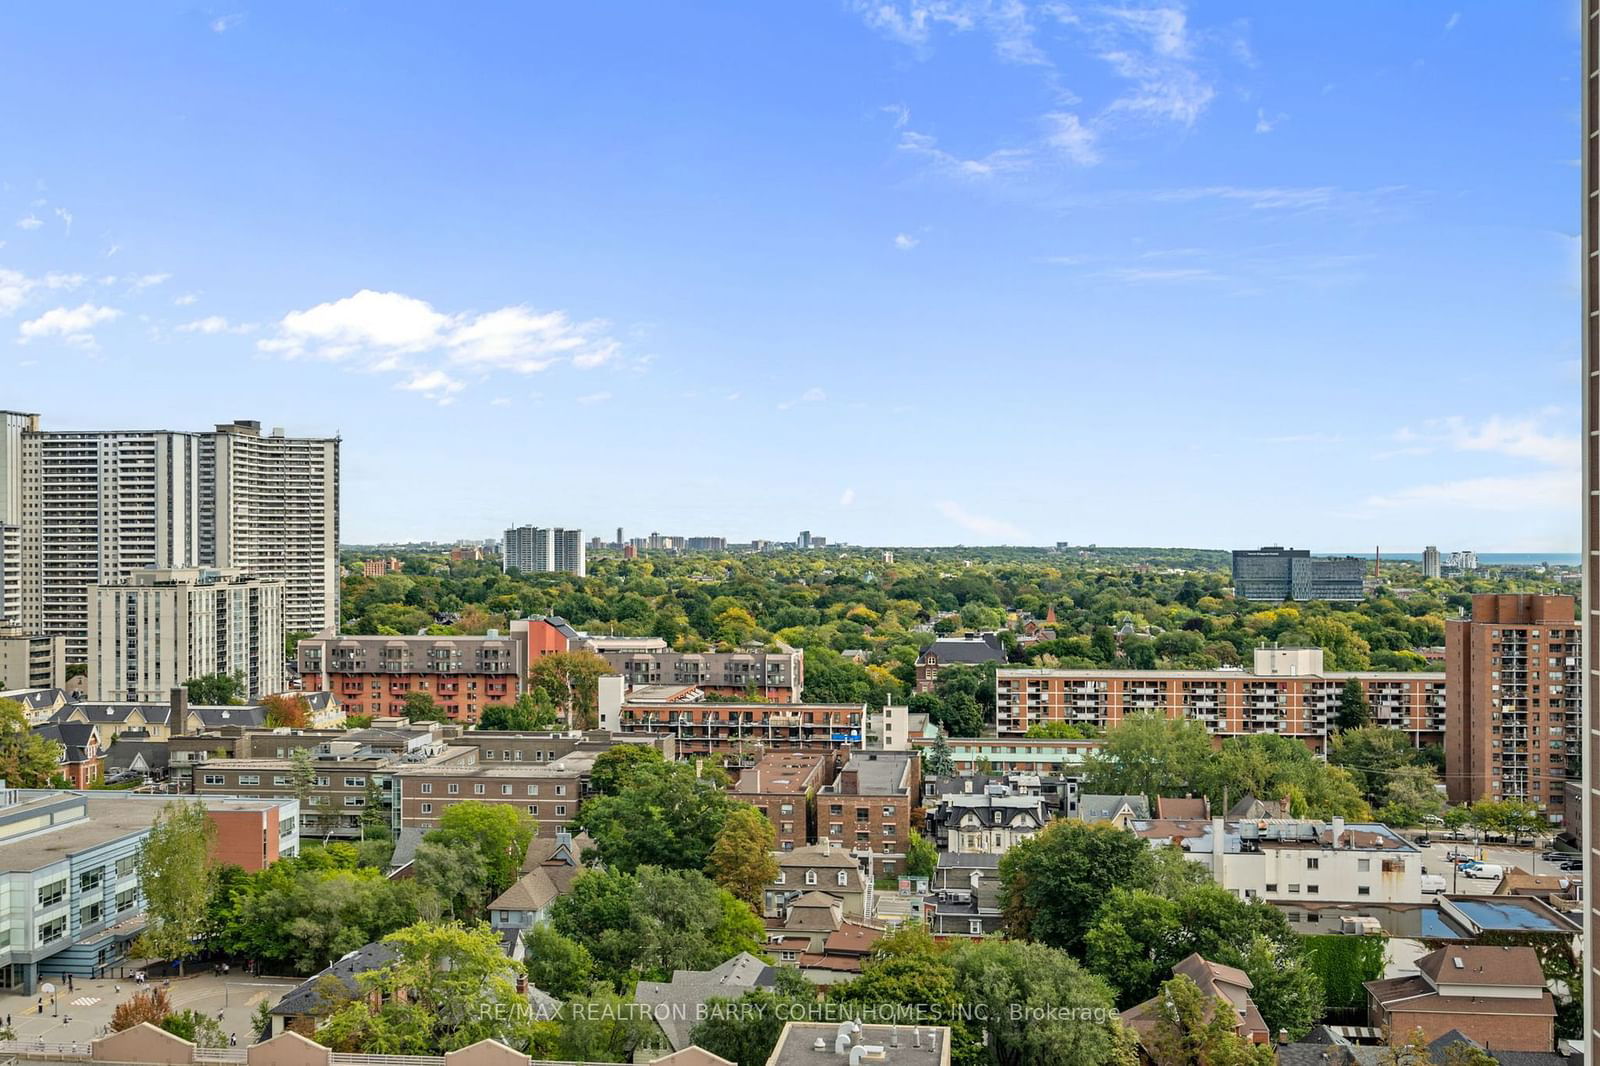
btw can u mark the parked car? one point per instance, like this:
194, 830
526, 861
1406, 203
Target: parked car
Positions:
1572, 864
1424, 840
1459, 857
1484, 871
1434, 883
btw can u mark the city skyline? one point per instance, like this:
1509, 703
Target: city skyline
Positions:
1238, 261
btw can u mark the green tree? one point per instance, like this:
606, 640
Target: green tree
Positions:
615, 766
921, 856
1149, 754
1052, 884
571, 679
27, 760
937, 761
601, 1026
1016, 984
216, 690
448, 986
176, 877
1354, 712
531, 711
741, 860
302, 778
374, 812
1189, 1030
420, 707
556, 964
286, 711
202, 1030
500, 832
662, 816
456, 872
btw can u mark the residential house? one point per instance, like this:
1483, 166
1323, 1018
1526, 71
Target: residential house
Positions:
991, 821
548, 870
679, 1004
79, 747
1120, 811
964, 896
304, 1007
957, 651
823, 867
1217, 982
1493, 995
1183, 807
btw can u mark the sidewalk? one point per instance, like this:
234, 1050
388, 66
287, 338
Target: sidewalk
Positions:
80, 1015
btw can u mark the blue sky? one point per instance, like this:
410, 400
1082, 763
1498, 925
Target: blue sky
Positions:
903, 273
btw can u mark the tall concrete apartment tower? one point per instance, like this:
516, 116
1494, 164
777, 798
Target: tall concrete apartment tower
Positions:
1590, 222
96, 506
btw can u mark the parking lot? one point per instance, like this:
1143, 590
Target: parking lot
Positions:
1435, 862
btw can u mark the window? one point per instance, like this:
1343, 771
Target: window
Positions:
280, 780
811, 877
561, 809
53, 930
488, 753
249, 779
427, 808
1312, 890
477, 790
844, 877
505, 755
53, 893
1270, 888
505, 790
783, 877
427, 788
1363, 865
533, 808
1294, 888
90, 880
533, 790
127, 900
126, 866
1315, 863
453, 788
1363, 890
355, 801
90, 915
561, 790
355, 782
213, 779
975, 926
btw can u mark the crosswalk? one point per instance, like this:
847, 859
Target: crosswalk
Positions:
86, 1001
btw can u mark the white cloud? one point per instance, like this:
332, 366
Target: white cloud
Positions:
982, 525
146, 281
75, 325
847, 497
225, 23
593, 398
500, 401
812, 395
113, 250
186, 300
16, 287
996, 162
434, 385
1067, 134
1452, 22
65, 216
901, 113
29, 221
393, 332
213, 324
1266, 123
1554, 451
905, 241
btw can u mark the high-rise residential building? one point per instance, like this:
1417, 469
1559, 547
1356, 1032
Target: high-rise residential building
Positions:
1514, 688
95, 506
158, 628
803, 540
1589, 160
1274, 574
1430, 561
571, 557
31, 660
535, 549
620, 541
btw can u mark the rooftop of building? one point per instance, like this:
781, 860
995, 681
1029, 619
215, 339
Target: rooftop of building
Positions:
814, 1043
781, 773
877, 773
972, 650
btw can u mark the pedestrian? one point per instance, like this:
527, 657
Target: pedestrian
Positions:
41, 1004
233, 1039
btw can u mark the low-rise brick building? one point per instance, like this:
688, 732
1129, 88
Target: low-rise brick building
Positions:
547, 791
734, 728
373, 675
867, 809
783, 785
1494, 995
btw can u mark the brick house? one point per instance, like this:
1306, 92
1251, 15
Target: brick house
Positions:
1494, 995
868, 807
783, 785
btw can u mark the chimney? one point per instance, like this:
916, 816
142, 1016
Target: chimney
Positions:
1219, 847
1337, 833
1283, 1036
179, 723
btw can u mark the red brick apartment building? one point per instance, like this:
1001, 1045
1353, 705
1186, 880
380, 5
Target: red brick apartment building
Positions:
717, 728
783, 785
1286, 692
549, 792
252, 834
373, 675
868, 807
1516, 693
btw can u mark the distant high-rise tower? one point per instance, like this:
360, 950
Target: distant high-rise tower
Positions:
620, 541
804, 539
1430, 561
536, 549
